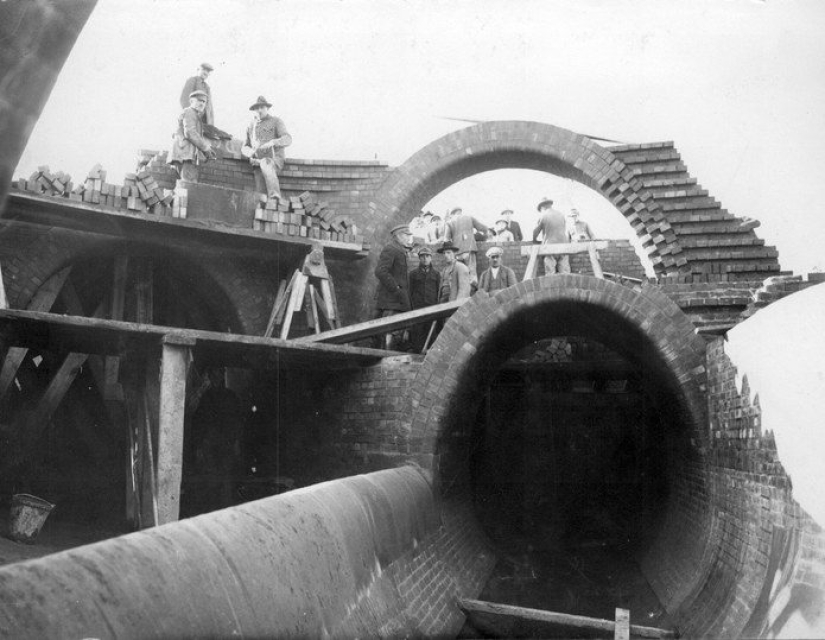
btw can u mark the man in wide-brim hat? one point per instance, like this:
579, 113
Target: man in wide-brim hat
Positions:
455, 279
190, 148
266, 138
553, 226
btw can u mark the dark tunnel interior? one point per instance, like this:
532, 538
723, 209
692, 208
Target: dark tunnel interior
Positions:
567, 443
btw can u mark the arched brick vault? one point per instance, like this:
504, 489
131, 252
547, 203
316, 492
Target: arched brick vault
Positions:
682, 230
642, 323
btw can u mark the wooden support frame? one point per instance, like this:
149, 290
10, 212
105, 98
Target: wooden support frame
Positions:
560, 249
42, 301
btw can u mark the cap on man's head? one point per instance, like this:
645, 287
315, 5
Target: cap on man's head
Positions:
436, 217
494, 251
425, 251
199, 94
260, 102
401, 228
546, 202
501, 222
507, 212
207, 66
447, 246
427, 213
456, 209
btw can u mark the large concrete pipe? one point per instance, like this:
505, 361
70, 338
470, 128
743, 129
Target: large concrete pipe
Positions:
364, 556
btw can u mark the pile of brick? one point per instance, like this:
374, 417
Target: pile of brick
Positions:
44, 182
305, 217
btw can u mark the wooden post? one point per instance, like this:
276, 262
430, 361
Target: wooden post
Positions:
594, 260
532, 264
4, 303
622, 631
121, 265
175, 359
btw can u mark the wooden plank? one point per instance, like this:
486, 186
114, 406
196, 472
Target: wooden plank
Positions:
295, 300
279, 299
513, 621
563, 248
594, 260
42, 301
384, 325
55, 332
332, 303
4, 302
314, 306
75, 307
175, 359
532, 263
622, 631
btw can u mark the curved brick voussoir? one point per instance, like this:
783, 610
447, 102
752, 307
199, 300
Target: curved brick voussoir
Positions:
518, 144
642, 323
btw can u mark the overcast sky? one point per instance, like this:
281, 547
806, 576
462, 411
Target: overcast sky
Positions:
739, 85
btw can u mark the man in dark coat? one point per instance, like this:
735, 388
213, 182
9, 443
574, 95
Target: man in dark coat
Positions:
198, 83
393, 294
425, 283
190, 148
512, 226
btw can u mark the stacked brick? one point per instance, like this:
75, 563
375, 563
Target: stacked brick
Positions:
139, 191
44, 182
305, 217
689, 224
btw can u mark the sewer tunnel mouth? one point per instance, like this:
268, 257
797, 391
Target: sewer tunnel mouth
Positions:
563, 431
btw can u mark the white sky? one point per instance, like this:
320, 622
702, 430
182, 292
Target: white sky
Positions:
739, 85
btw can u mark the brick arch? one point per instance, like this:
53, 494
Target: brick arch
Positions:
471, 348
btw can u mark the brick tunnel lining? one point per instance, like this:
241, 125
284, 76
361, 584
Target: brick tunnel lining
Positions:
677, 552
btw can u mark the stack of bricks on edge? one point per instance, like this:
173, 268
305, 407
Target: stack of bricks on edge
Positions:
139, 192
303, 216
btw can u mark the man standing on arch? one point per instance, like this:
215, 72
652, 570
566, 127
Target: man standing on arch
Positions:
461, 230
554, 227
266, 138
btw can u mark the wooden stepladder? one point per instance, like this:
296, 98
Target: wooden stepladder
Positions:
563, 249
310, 288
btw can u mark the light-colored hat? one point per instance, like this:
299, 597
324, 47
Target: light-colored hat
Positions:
260, 102
401, 228
199, 94
454, 209
506, 211
207, 66
545, 201
494, 251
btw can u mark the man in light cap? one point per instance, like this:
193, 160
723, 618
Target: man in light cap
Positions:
266, 138
512, 226
393, 293
190, 149
554, 228
425, 284
497, 276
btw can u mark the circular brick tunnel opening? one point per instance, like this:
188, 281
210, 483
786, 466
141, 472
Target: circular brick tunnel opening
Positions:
568, 412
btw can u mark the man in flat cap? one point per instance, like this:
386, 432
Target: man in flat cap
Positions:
266, 138
461, 230
190, 149
393, 293
198, 83
425, 284
497, 276
553, 226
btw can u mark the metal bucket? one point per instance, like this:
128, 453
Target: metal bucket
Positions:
28, 513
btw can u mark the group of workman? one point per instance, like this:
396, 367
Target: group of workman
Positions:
266, 136
400, 289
